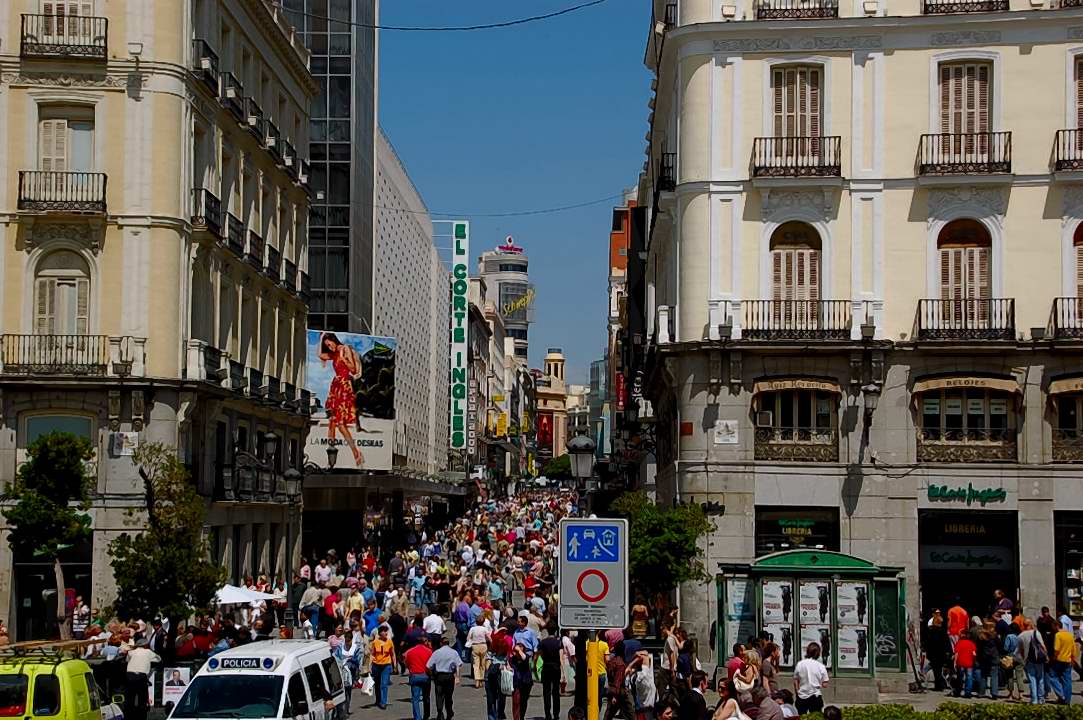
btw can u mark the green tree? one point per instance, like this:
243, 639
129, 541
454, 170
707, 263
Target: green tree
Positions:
165, 570
663, 543
51, 497
558, 468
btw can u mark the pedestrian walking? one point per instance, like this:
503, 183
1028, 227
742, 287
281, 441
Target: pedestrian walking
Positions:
641, 685
965, 654
444, 668
694, 704
500, 647
1060, 665
1034, 655
523, 681
809, 679
619, 702
551, 652
417, 661
477, 642
383, 659
136, 700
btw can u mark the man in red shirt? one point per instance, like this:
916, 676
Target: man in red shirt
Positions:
736, 663
965, 652
416, 659
958, 621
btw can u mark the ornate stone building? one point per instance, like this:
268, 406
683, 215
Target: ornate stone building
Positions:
153, 223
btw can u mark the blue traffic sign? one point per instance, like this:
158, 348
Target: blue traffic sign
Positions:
594, 544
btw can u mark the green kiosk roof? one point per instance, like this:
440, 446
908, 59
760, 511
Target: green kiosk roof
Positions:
813, 561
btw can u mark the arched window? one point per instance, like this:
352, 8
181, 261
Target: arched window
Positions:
795, 271
965, 274
62, 295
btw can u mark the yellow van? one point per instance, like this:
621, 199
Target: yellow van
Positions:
46, 685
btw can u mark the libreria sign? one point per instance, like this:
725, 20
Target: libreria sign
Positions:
460, 324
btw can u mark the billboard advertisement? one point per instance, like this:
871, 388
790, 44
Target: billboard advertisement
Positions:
545, 431
460, 333
352, 378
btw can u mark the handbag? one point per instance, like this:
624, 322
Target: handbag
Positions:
1007, 662
741, 685
507, 680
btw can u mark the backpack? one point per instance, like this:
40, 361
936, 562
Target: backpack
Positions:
1037, 652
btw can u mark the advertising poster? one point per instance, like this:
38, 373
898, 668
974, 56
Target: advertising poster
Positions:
815, 601
820, 634
740, 610
545, 430
352, 378
174, 681
853, 648
852, 603
777, 604
782, 635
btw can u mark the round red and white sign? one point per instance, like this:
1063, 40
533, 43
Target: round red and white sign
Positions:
592, 585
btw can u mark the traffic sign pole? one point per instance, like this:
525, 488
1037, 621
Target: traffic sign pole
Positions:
593, 701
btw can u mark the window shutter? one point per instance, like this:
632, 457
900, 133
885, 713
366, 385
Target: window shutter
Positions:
779, 84
53, 145
815, 103
45, 307
813, 292
983, 99
1079, 94
776, 274
981, 262
791, 102
1079, 271
82, 306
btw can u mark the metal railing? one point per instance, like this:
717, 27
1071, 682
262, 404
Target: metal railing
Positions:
965, 153
289, 275
207, 211
966, 319
50, 191
254, 118
233, 96
289, 392
205, 64
274, 263
964, 446
1067, 445
1066, 318
667, 173
55, 355
235, 234
305, 285
69, 37
797, 319
273, 141
797, 444
1068, 150
255, 382
253, 254
950, 7
796, 9
797, 156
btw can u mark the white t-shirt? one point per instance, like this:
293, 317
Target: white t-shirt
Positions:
433, 625
811, 676
477, 635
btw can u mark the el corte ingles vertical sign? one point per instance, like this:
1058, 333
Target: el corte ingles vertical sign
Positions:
460, 324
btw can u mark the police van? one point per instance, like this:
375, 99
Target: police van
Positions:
264, 680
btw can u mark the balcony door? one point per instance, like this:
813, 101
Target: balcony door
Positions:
67, 23
798, 110
965, 274
66, 145
795, 276
965, 110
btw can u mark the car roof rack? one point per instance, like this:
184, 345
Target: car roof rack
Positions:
43, 651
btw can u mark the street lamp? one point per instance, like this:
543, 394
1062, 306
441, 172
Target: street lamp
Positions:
294, 488
270, 445
871, 395
581, 449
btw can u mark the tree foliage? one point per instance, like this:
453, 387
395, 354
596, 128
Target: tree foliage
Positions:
558, 468
165, 570
663, 543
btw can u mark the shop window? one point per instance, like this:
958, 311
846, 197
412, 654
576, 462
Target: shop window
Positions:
983, 420
1068, 430
38, 425
779, 529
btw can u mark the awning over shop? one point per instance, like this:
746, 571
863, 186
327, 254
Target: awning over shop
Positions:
967, 381
796, 383
1066, 385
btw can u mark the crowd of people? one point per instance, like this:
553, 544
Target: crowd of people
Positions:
1032, 659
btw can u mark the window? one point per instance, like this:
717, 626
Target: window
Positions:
46, 694
965, 248
316, 685
13, 690
295, 694
1070, 416
1079, 91
66, 139
1077, 242
38, 425
247, 697
92, 691
965, 102
227, 319
798, 415
334, 677
56, 28
62, 295
798, 101
512, 267
967, 415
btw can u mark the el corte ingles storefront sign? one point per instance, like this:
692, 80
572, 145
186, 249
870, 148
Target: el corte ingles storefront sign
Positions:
968, 495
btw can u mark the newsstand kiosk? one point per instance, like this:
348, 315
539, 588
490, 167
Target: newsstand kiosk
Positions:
852, 608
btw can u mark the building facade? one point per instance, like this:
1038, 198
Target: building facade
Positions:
552, 403
506, 273
155, 245
342, 145
862, 288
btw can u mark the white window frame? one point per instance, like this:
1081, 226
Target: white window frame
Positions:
996, 123
825, 90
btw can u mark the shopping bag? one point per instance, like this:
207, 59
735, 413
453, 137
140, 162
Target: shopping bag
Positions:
367, 685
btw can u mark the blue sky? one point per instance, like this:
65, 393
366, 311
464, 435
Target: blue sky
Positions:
536, 116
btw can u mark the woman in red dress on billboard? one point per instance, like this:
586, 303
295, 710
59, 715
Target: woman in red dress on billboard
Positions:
341, 403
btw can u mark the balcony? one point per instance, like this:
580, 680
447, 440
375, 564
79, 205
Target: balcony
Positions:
781, 444
306, 286
953, 7
235, 379
1068, 150
1067, 445
1066, 319
1070, 3
797, 319
72, 355
235, 234
289, 158
254, 118
206, 212
205, 65
670, 17
304, 173
796, 9
966, 319
62, 192
272, 390
304, 401
65, 38
255, 383
253, 254
233, 97
274, 264
667, 173
289, 275
967, 446
289, 393
797, 156
965, 153
273, 141
212, 364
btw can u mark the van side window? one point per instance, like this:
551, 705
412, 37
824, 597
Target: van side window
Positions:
334, 675
316, 685
92, 691
13, 695
295, 695
46, 694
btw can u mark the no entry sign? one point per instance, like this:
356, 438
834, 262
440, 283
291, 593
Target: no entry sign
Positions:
593, 574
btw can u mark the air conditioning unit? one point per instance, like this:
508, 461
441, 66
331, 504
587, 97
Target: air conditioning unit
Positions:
765, 419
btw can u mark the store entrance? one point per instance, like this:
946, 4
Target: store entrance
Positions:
967, 555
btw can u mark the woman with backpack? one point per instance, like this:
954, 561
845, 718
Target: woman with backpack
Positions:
499, 677
1034, 655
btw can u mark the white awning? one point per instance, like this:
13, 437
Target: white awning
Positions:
799, 383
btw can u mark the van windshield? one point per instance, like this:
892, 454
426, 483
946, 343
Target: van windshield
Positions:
231, 696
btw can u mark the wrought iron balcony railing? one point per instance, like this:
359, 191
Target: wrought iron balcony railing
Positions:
255, 383
967, 446
274, 263
1068, 150
233, 97
797, 319
1067, 445
1066, 318
670, 17
796, 9
206, 211
966, 319
254, 118
74, 355
289, 392
965, 153
289, 275
797, 156
951, 7
235, 234
306, 285
50, 191
253, 254
205, 64
795, 444
667, 173
65, 37
273, 141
